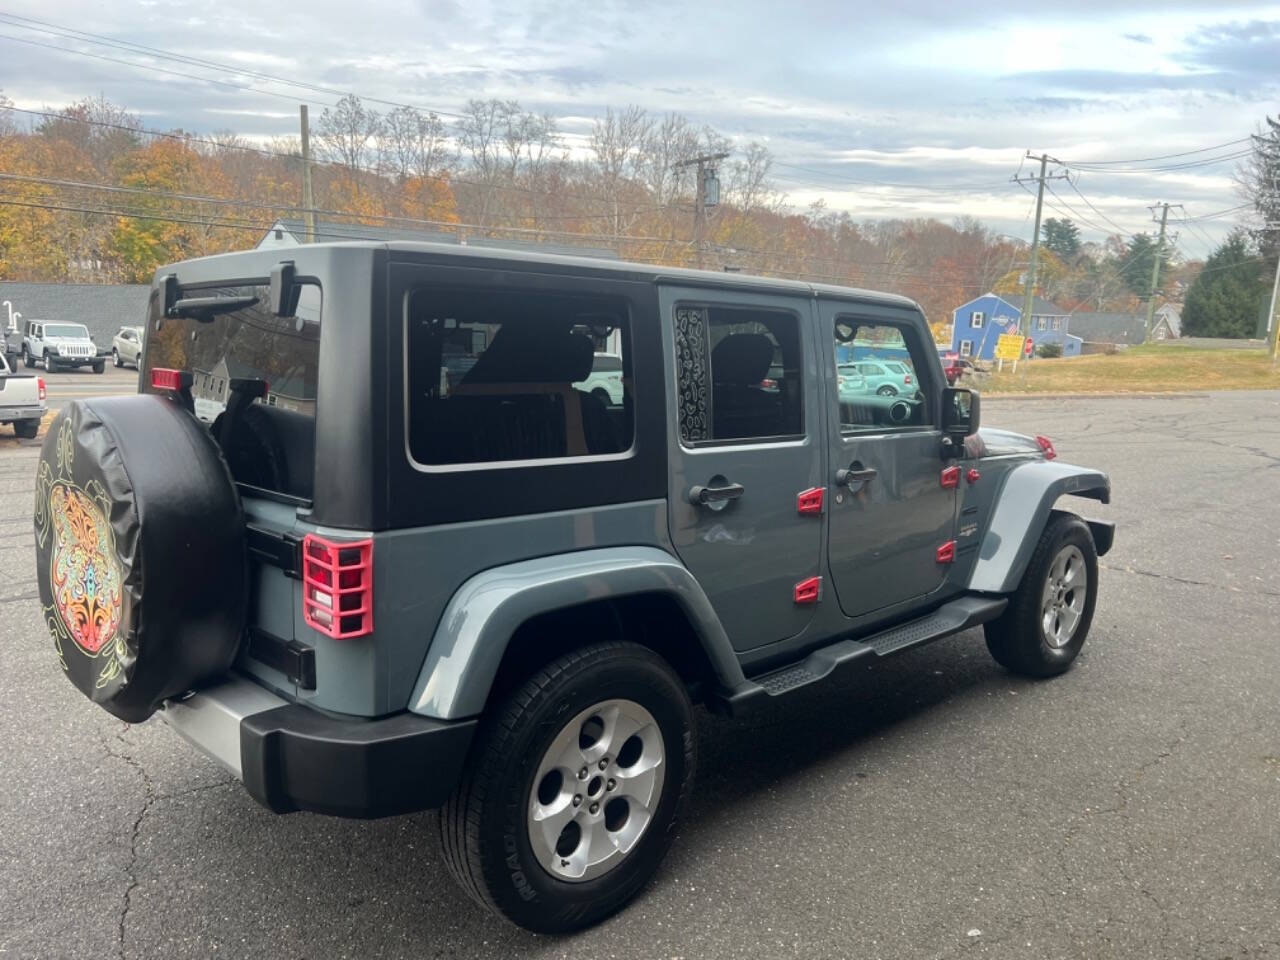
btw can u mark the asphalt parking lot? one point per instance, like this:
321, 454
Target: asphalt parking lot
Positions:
933, 806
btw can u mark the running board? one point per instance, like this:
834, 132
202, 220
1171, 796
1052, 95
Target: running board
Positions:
952, 617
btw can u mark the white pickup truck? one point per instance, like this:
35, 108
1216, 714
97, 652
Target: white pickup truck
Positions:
22, 400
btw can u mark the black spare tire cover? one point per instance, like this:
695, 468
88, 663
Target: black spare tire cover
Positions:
140, 551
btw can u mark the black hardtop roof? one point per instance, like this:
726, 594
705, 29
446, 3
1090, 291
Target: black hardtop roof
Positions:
257, 263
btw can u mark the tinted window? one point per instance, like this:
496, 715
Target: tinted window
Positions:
500, 376
272, 445
892, 395
738, 374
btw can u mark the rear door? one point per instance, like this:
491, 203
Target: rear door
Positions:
890, 510
745, 433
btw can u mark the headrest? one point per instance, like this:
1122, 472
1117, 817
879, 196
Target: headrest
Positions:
742, 359
521, 354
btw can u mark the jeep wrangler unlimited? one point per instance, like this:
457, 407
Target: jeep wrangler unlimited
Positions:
364, 538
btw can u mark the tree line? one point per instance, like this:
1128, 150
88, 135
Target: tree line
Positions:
87, 194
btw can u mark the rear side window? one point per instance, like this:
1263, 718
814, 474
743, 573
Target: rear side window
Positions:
738, 374
506, 376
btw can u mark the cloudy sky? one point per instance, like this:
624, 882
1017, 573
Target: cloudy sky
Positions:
919, 107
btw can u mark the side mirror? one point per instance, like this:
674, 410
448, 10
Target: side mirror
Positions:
960, 413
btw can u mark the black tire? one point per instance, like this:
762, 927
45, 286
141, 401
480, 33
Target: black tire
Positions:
27, 429
26, 358
141, 562
484, 825
887, 391
115, 357
1017, 639
100, 366
601, 394
49, 366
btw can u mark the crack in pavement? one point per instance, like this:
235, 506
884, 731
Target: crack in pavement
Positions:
149, 799
1121, 809
1187, 581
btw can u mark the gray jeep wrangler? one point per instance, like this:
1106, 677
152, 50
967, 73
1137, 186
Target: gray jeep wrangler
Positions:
364, 539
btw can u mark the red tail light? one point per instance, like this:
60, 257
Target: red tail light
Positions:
40, 381
337, 586
1047, 446
908, 379
174, 380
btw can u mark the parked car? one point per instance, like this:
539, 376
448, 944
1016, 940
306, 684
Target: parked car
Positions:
886, 377
502, 597
22, 400
605, 379
57, 346
126, 346
849, 382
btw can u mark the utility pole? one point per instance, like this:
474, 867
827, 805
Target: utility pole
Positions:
701, 191
1155, 270
1028, 300
308, 201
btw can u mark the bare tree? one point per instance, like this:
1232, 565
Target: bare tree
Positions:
617, 142
349, 132
481, 134
8, 126
414, 142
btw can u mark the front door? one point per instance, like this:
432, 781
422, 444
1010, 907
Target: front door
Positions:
745, 428
892, 507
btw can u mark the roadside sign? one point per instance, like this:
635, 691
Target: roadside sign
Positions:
1028, 347
1008, 347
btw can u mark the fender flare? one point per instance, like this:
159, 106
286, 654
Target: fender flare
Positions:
1022, 509
486, 610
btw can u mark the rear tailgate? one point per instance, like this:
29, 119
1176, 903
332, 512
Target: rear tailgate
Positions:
20, 396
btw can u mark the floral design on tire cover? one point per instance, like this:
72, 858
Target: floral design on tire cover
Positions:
84, 574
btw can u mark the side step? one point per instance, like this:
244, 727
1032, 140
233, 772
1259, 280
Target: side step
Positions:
951, 617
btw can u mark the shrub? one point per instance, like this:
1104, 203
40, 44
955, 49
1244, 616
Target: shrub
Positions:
1049, 350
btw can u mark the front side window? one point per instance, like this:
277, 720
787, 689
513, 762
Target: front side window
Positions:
737, 374
890, 394
508, 376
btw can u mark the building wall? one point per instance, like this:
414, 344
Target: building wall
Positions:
998, 316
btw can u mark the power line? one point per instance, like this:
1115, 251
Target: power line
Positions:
1167, 156
70, 33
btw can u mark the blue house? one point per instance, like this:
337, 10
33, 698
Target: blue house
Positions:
977, 325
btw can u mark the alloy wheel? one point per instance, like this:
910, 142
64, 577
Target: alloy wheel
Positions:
596, 790
1063, 599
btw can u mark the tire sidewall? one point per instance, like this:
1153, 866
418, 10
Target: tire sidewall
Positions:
522, 887
115, 357
48, 363
1070, 531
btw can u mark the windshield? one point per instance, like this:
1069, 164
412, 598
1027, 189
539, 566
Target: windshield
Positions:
66, 330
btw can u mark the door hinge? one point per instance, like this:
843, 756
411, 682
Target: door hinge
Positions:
947, 552
950, 477
809, 591
810, 501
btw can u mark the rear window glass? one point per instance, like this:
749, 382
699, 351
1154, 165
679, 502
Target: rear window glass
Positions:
509, 376
273, 444
251, 343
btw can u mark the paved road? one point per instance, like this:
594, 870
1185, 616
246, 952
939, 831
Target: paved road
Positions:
1128, 809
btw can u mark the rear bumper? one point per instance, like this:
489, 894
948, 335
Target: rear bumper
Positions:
291, 757
11, 414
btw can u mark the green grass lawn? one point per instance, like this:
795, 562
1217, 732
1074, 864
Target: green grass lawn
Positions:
1150, 369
